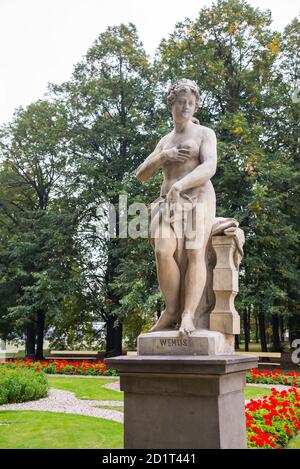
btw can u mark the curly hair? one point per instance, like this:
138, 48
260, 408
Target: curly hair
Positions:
183, 85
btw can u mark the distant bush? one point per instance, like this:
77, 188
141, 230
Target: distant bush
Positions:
21, 384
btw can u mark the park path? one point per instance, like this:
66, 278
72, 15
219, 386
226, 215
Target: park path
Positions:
278, 387
67, 403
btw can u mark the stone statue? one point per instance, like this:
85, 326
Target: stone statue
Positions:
185, 258
186, 365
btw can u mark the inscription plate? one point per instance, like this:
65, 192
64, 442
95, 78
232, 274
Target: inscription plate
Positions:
201, 342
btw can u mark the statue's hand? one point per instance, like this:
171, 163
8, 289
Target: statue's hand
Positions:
173, 194
176, 154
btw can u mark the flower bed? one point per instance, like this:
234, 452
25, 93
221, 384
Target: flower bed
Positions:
273, 377
273, 420
64, 367
21, 384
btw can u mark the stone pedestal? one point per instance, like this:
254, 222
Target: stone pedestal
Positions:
200, 342
183, 402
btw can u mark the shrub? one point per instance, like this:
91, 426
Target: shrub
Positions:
64, 367
273, 420
19, 384
273, 377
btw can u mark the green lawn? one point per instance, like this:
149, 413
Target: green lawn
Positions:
252, 392
52, 430
87, 388
253, 347
294, 443
93, 388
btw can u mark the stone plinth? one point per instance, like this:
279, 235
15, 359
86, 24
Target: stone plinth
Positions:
200, 342
183, 402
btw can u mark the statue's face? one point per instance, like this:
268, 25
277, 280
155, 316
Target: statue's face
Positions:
184, 106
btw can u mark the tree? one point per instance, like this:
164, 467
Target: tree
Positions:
110, 103
231, 52
40, 253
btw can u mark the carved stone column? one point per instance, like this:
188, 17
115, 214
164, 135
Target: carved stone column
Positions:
224, 317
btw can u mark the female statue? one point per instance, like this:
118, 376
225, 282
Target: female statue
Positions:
188, 157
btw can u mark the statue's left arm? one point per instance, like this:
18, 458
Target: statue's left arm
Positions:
205, 171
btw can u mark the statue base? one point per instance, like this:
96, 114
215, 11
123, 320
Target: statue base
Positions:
188, 402
200, 342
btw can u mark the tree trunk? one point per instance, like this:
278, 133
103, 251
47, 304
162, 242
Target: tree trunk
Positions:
256, 330
40, 336
262, 332
246, 329
237, 342
281, 328
30, 340
158, 310
118, 330
113, 337
275, 334
294, 326
109, 335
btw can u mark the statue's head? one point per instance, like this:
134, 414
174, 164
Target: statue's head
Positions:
180, 88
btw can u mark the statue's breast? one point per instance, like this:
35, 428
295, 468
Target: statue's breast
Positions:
191, 145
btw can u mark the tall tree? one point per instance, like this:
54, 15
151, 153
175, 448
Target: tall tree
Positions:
110, 103
231, 51
38, 257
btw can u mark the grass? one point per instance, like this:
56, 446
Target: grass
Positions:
252, 392
52, 430
253, 347
294, 443
93, 389
87, 388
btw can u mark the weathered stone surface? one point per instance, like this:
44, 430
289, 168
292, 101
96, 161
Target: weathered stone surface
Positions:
200, 342
224, 317
187, 237
183, 402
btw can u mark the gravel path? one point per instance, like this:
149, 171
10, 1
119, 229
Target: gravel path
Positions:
278, 387
66, 402
115, 386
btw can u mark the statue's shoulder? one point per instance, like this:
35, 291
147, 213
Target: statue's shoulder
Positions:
207, 131
164, 139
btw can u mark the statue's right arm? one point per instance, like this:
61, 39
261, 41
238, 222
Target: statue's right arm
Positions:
152, 163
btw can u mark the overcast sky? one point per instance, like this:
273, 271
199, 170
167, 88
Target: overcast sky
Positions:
41, 40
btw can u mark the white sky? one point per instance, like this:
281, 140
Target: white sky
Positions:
41, 40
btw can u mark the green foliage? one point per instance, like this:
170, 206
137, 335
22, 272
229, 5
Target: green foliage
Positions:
40, 244
62, 157
272, 421
273, 377
21, 384
244, 69
110, 102
64, 367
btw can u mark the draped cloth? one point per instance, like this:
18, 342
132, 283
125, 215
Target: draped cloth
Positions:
221, 227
